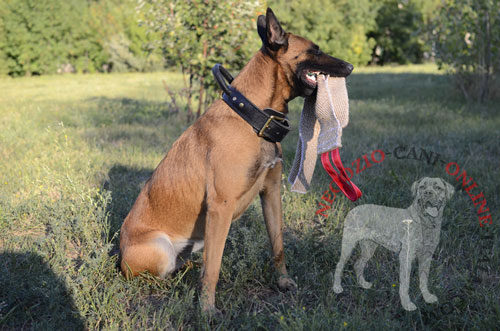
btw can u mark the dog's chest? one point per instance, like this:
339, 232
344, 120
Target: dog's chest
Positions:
270, 155
430, 237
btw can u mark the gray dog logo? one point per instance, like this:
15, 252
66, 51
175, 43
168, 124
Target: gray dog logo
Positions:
412, 232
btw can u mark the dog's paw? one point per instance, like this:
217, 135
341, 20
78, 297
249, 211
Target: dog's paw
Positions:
409, 306
430, 298
364, 284
209, 310
285, 283
338, 289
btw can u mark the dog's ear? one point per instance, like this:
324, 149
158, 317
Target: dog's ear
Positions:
448, 188
270, 31
261, 29
414, 187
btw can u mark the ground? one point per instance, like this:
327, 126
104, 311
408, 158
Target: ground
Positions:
75, 150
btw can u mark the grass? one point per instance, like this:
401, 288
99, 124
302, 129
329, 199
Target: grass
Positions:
75, 150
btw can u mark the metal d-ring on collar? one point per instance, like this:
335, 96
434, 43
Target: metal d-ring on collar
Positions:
268, 123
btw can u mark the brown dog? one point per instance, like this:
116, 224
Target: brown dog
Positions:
219, 164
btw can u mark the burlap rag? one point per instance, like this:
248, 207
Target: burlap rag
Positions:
320, 129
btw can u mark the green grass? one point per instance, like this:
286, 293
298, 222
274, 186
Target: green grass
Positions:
75, 150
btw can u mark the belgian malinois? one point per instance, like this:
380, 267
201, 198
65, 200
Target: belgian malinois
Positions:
219, 164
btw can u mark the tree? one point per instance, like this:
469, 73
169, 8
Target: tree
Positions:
398, 34
197, 34
467, 39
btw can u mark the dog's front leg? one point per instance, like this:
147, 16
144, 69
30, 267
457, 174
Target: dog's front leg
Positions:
405, 261
270, 198
406, 256
424, 266
217, 225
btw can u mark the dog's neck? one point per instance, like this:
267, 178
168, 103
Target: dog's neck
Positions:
264, 83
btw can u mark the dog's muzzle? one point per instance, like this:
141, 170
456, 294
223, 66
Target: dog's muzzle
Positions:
430, 204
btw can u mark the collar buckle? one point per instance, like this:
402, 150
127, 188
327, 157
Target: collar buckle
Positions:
268, 122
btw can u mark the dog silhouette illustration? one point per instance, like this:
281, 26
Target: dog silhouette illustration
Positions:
412, 232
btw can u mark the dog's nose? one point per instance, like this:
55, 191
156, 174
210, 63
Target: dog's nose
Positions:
349, 67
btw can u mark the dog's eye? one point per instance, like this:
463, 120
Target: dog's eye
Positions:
315, 51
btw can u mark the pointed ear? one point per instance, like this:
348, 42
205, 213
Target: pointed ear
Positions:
449, 189
261, 29
414, 187
276, 37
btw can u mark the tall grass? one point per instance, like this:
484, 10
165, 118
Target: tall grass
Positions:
75, 151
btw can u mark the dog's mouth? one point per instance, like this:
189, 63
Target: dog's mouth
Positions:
310, 77
432, 208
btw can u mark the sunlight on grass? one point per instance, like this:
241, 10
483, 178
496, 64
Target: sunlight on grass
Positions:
427, 68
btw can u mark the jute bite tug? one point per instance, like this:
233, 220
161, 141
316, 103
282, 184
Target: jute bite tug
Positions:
221, 162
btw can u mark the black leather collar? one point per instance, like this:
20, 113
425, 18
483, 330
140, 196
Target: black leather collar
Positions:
268, 123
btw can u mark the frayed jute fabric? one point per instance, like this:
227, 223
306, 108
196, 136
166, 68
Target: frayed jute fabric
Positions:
320, 129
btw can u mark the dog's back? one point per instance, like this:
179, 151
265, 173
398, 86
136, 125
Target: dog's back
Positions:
383, 225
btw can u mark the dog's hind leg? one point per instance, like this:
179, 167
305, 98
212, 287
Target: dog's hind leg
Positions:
154, 253
348, 244
368, 247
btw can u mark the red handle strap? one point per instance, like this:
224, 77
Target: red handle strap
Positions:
351, 191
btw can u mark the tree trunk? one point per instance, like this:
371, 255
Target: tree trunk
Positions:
189, 97
487, 56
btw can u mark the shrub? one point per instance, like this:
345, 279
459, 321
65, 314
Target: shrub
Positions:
467, 38
42, 36
127, 44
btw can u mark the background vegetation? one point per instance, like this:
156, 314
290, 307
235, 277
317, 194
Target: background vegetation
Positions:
468, 43
49, 36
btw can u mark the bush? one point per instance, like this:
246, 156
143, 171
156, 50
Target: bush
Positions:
127, 44
467, 38
42, 36
48, 36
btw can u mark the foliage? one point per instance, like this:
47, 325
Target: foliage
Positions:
467, 37
48, 36
339, 27
399, 33
428, 8
126, 42
197, 34
44, 36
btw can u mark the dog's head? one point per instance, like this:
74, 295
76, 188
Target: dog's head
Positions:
300, 59
431, 195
